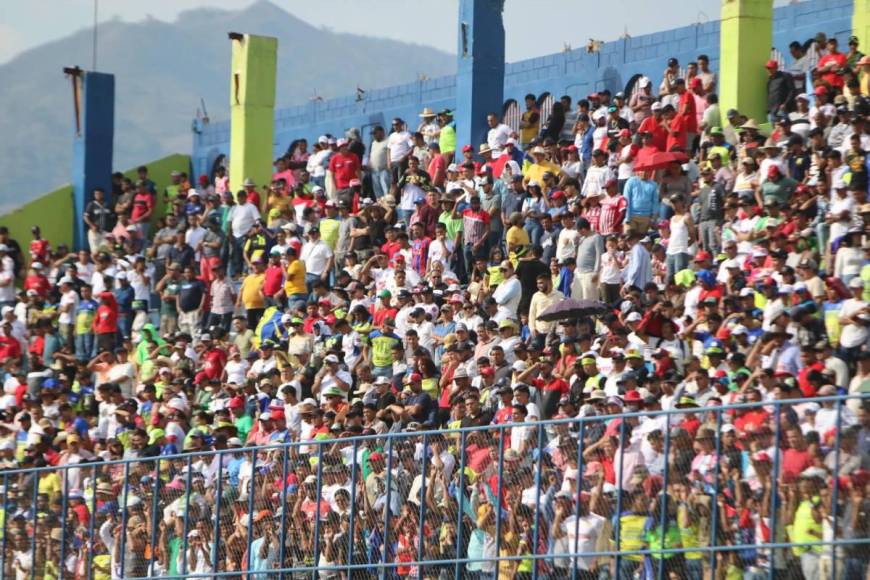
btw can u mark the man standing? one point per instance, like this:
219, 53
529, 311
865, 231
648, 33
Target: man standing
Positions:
191, 298
711, 198
642, 201
378, 163
343, 167
242, 218
638, 272
400, 145
780, 91
475, 231
318, 258
497, 135
589, 249
99, 218
545, 297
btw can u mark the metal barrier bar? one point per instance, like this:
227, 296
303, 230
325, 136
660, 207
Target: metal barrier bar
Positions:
505, 477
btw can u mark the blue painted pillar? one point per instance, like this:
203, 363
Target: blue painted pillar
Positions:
93, 137
479, 70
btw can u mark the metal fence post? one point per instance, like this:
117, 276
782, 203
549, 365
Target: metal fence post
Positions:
714, 519
460, 500
580, 436
188, 490
217, 512
353, 484
834, 492
619, 493
251, 492
63, 508
387, 509
497, 507
123, 537
774, 477
92, 524
317, 505
35, 525
420, 539
154, 517
283, 535
538, 480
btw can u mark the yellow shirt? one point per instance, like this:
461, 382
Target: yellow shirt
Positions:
252, 291
517, 236
536, 171
50, 484
295, 281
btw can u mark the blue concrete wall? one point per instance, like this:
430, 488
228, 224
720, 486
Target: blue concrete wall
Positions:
575, 73
92, 145
480, 69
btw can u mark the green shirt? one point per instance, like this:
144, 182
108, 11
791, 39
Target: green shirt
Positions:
168, 307
382, 347
447, 138
243, 426
780, 191
453, 226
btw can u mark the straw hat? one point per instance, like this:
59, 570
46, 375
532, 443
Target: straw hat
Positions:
427, 112
750, 124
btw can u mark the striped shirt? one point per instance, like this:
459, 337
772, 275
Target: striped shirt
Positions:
474, 225
612, 215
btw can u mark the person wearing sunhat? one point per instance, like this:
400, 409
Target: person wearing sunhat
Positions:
541, 165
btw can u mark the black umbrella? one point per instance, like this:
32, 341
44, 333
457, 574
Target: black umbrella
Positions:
570, 308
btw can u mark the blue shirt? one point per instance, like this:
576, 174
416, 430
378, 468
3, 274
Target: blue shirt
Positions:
642, 197
639, 270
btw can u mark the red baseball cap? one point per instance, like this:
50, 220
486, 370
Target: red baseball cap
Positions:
772, 64
696, 82
772, 171
821, 90
703, 255
467, 148
625, 133
236, 403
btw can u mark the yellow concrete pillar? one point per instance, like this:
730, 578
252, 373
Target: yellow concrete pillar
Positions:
861, 24
252, 108
745, 40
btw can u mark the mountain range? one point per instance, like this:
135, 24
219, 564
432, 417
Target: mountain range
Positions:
162, 70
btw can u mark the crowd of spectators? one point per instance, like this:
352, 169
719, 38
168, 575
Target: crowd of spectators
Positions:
394, 291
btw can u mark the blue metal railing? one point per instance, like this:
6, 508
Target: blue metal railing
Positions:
262, 518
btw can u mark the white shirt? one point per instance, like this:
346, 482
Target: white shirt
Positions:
625, 170
243, 218
316, 257
400, 144
566, 247
236, 371
139, 284
497, 137
72, 299
852, 335
193, 236
507, 296
582, 535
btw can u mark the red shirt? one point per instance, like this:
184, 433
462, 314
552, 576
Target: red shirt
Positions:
38, 283
390, 249
438, 162
9, 348
380, 314
143, 205
215, 359
555, 384
680, 136
803, 378
794, 461
833, 78
344, 167
659, 135
752, 420
39, 250
273, 280
688, 109
106, 319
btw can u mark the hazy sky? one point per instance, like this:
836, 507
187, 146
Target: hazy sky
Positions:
534, 27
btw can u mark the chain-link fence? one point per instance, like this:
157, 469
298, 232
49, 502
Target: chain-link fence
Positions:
757, 490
